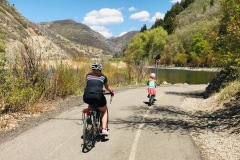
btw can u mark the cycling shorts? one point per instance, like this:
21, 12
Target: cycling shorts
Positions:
95, 98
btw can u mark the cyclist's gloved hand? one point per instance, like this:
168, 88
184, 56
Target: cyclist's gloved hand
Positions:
112, 92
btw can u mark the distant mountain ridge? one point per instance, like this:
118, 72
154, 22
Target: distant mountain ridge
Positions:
57, 39
82, 34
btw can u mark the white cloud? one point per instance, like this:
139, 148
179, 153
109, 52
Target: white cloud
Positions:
122, 34
104, 16
145, 16
132, 9
102, 30
157, 15
142, 16
97, 20
175, 1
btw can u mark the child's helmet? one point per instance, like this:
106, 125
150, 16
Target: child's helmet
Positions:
152, 75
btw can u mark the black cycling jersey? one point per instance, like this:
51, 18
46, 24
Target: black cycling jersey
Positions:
95, 83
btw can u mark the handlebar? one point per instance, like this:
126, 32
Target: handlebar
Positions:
107, 93
111, 96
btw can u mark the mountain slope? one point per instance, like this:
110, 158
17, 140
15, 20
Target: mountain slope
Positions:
122, 41
199, 12
19, 35
79, 33
63, 39
82, 34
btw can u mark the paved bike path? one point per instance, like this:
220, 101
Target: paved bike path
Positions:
137, 132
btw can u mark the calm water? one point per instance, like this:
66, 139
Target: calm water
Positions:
184, 76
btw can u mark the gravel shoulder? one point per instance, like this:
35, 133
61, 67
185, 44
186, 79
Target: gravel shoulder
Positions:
214, 127
218, 126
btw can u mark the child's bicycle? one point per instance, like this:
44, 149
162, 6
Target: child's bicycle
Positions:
151, 100
91, 117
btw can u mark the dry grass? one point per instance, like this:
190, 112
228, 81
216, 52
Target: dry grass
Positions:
229, 91
12, 120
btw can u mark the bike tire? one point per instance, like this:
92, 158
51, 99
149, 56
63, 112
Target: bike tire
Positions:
151, 100
89, 132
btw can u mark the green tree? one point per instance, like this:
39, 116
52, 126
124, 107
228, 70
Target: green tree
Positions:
144, 28
194, 58
211, 2
137, 48
158, 23
173, 46
200, 46
166, 59
177, 8
229, 34
170, 18
213, 59
186, 3
169, 21
181, 59
145, 45
157, 41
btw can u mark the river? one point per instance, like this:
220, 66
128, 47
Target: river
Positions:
174, 76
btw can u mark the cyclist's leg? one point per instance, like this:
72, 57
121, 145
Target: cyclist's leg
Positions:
102, 106
104, 114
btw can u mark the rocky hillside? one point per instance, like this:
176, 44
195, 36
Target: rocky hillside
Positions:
50, 41
81, 34
122, 42
201, 15
17, 33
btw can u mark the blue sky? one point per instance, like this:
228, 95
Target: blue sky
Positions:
108, 17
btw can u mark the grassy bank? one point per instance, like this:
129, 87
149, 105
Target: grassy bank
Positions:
22, 88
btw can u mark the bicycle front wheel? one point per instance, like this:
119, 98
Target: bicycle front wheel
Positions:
151, 100
89, 132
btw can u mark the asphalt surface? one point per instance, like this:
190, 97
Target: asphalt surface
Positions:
137, 131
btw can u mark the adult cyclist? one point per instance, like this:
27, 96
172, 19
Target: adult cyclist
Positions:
93, 93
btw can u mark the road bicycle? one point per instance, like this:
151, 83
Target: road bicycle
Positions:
91, 117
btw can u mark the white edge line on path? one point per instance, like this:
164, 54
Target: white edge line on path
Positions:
136, 140
138, 134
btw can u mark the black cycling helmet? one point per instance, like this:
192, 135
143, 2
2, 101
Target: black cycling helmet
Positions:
96, 66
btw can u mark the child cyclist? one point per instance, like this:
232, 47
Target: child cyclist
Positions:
152, 83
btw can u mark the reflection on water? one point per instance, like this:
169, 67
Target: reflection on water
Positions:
184, 76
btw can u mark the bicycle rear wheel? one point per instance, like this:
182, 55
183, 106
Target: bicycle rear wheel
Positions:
89, 133
151, 100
